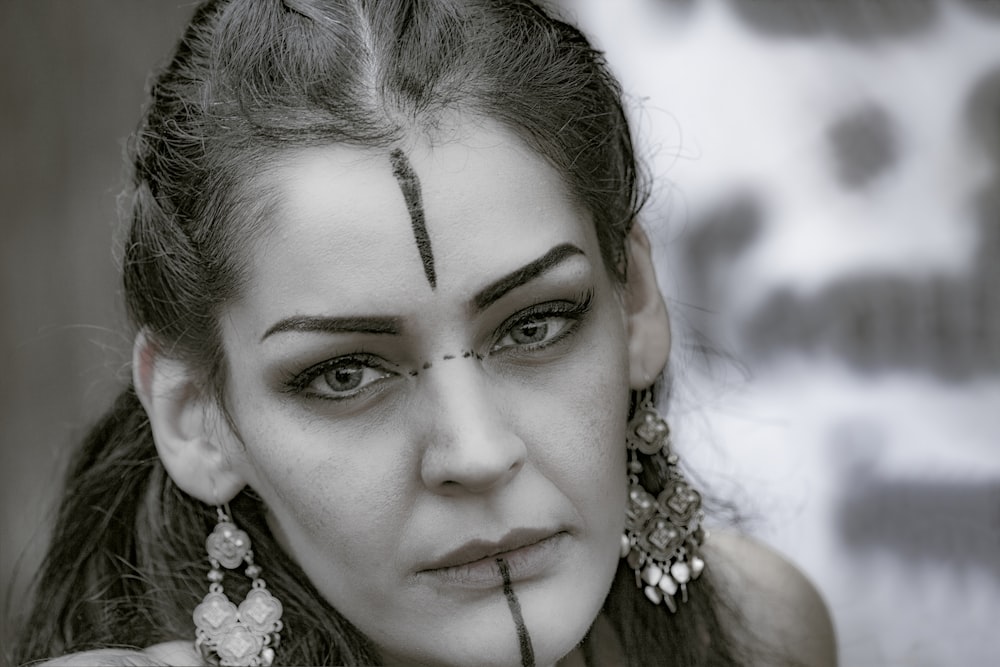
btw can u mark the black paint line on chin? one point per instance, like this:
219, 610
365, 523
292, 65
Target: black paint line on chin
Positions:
523, 638
410, 186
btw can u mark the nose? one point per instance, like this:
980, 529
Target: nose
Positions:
469, 445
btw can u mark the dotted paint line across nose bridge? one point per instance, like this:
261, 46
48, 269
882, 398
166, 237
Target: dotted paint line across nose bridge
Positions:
467, 354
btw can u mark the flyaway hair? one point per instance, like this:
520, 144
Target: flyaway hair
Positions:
249, 82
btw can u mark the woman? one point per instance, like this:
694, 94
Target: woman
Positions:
397, 338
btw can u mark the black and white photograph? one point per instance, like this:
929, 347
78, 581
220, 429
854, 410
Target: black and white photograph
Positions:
501, 333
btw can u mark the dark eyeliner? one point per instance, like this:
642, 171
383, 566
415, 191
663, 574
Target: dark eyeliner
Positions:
573, 310
301, 381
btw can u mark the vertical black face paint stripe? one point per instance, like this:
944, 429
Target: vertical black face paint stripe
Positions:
523, 638
410, 185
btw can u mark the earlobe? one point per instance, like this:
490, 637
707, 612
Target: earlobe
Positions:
648, 323
185, 430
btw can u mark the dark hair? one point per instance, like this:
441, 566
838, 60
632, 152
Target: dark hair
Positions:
248, 81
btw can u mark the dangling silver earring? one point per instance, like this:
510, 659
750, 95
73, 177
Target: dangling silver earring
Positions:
225, 634
663, 534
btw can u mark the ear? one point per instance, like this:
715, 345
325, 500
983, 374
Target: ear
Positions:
648, 324
187, 428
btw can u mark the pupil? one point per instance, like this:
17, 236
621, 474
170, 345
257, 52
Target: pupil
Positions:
345, 378
531, 332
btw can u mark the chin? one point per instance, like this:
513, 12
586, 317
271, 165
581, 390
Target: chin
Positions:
558, 618
557, 612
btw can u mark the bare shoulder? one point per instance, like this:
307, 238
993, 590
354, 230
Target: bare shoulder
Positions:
780, 605
158, 655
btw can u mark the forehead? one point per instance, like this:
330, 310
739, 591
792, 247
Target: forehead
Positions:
342, 222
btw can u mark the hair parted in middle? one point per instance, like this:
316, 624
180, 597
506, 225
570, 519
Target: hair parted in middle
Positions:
251, 80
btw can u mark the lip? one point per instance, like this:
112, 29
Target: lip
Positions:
527, 552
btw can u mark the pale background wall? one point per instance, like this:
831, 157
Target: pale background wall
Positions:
831, 218
828, 212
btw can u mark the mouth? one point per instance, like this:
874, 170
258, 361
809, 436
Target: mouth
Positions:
527, 552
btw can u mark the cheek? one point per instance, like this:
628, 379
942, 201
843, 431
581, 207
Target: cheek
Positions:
587, 433
584, 425
600, 466
321, 486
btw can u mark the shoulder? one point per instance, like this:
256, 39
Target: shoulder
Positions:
158, 655
777, 602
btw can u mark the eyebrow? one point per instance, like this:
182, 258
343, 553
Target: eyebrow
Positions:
391, 326
497, 289
333, 325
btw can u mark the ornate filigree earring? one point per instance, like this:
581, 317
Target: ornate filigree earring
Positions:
226, 634
663, 534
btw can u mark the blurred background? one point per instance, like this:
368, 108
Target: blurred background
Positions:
827, 219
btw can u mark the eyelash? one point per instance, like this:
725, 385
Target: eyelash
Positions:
300, 383
573, 311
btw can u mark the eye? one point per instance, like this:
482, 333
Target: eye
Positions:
340, 378
533, 332
542, 325
344, 378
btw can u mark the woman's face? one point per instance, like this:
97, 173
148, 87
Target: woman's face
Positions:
428, 373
